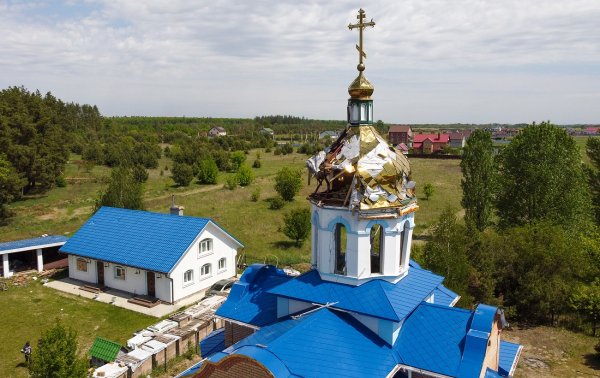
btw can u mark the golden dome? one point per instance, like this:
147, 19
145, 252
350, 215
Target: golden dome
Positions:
361, 88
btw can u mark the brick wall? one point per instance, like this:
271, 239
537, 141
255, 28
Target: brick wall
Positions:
235, 332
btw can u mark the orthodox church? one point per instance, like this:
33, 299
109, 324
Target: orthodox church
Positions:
365, 309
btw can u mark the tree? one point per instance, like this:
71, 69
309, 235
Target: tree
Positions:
10, 186
208, 171
297, 225
446, 253
586, 301
57, 355
245, 175
237, 159
541, 178
428, 190
593, 152
140, 174
477, 166
182, 173
288, 182
122, 191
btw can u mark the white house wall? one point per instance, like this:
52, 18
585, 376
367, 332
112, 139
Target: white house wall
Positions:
133, 283
162, 288
89, 276
223, 246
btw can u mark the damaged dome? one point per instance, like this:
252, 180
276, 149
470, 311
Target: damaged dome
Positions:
361, 172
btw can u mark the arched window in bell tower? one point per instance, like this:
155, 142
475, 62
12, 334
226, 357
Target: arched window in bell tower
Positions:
404, 243
340, 248
376, 238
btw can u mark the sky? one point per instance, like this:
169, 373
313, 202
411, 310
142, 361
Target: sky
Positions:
431, 61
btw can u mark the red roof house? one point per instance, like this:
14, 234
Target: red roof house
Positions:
429, 143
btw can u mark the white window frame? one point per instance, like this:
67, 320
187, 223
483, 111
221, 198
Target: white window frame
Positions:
205, 247
224, 267
83, 263
116, 272
188, 281
203, 275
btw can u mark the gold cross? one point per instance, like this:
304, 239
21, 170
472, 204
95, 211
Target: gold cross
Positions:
361, 25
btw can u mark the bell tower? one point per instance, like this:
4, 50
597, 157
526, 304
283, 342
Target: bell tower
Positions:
364, 203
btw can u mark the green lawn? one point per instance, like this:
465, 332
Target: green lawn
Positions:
28, 310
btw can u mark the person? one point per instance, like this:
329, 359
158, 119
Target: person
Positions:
26, 351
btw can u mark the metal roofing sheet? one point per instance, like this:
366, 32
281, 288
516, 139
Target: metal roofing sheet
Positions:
377, 298
509, 356
32, 243
141, 239
104, 349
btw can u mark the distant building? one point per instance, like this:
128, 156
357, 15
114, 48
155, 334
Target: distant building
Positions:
430, 143
400, 134
163, 256
217, 131
458, 138
403, 148
329, 134
266, 131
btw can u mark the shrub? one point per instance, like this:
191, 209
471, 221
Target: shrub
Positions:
256, 164
182, 174
276, 203
237, 159
245, 175
232, 182
428, 190
208, 171
297, 225
288, 182
255, 194
60, 181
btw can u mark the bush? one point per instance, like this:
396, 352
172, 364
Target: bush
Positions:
256, 164
237, 159
297, 225
182, 173
60, 181
245, 175
208, 171
268, 149
428, 190
288, 183
276, 203
231, 182
255, 194
139, 173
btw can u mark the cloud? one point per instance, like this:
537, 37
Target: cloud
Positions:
240, 59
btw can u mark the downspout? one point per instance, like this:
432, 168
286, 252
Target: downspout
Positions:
172, 290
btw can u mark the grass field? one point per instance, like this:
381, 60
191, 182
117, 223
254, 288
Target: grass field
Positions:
28, 310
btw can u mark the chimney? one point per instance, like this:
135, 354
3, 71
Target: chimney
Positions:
175, 209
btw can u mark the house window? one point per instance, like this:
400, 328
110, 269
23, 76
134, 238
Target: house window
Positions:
82, 265
376, 238
119, 273
188, 277
222, 263
205, 271
206, 246
340, 248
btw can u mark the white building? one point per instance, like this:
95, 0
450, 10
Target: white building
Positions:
166, 256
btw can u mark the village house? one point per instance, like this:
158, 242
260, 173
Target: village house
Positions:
333, 134
217, 131
164, 256
267, 131
365, 309
459, 138
400, 134
430, 143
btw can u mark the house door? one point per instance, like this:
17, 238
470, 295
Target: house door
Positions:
100, 270
151, 284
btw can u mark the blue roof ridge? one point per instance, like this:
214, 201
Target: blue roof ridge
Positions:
443, 307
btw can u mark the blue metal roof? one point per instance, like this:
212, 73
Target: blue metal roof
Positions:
214, 342
32, 243
509, 356
377, 298
249, 301
444, 296
325, 343
431, 338
141, 239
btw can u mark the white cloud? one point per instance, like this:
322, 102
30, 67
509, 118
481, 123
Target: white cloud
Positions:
468, 60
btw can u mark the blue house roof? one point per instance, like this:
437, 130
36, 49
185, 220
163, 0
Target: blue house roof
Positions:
249, 301
377, 298
432, 338
34, 243
141, 239
324, 343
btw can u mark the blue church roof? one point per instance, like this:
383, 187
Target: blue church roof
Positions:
32, 243
509, 354
377, 298
249, 301
444, 296
141, 239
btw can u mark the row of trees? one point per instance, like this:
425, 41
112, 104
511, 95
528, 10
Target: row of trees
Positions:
529, 240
